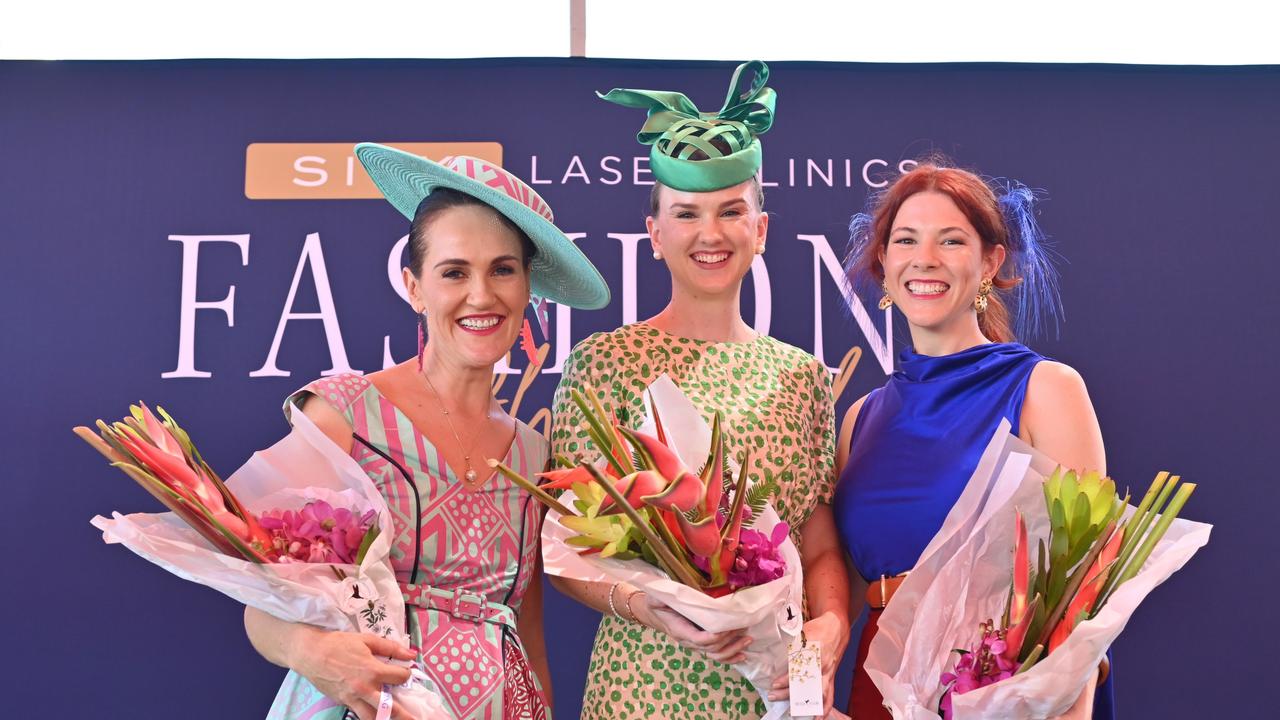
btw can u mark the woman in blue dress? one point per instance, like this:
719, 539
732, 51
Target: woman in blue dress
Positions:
949, 253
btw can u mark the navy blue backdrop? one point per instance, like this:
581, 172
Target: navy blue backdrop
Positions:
1162, 185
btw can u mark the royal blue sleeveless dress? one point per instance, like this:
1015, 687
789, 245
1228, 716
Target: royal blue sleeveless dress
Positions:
915, 443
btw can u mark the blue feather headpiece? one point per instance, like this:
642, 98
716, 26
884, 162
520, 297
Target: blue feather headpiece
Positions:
1036, 302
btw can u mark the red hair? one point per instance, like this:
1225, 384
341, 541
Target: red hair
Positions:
979, 205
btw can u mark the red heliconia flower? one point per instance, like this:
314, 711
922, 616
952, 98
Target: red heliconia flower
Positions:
634, 488
173, 471
564, 478
1021, 612
1082, 603
1021, 571
713, 474
702, 537
665, 461
682, 495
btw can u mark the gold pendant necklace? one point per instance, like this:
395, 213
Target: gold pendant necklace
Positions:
470, 476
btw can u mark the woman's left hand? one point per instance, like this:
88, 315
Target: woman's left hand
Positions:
831, 637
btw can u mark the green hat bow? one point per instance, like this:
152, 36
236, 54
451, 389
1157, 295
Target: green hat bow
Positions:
700, 152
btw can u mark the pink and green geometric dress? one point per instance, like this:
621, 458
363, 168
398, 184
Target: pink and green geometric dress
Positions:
464, 559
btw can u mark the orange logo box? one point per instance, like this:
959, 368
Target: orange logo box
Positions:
330, 171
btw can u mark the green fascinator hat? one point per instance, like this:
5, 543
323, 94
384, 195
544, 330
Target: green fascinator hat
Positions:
699, 152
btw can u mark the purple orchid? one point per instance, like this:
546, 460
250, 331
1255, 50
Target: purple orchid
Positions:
984, 665
759, 560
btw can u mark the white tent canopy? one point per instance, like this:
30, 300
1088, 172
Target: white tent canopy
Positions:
1226, 32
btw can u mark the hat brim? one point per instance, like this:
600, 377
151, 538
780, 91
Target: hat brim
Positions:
559, 271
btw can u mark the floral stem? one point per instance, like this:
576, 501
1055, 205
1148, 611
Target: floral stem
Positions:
532, 489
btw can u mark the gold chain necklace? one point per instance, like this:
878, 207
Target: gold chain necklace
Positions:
470, 476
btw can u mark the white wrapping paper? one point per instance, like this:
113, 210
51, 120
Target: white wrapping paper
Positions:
963, 578
304, 466
759, 609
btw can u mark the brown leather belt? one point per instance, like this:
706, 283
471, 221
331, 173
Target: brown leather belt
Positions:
881, 591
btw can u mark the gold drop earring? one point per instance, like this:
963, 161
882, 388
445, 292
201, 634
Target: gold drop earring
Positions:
984, 290
886, 302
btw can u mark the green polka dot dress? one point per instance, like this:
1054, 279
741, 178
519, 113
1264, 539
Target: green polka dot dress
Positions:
774, 398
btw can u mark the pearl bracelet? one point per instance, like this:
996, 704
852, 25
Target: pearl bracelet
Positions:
612, 608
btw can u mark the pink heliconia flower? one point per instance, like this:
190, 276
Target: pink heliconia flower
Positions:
682, 495
634, 488
174, 471
665, 460
702, 537
564, 478
159, 434
1021, 570
166, 460
1021, 612
713, 494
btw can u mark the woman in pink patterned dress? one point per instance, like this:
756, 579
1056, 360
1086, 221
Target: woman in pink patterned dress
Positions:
466, 540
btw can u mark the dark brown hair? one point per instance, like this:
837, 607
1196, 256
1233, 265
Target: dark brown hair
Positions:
442, 199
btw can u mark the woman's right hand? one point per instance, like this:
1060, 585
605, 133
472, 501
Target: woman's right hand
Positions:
726, 647
350, 668
347, 667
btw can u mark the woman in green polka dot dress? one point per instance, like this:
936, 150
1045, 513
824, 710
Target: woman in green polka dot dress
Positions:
707, 223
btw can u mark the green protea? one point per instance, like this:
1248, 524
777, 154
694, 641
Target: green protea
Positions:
1080, 508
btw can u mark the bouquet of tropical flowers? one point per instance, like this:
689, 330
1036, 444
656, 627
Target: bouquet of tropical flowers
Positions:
707, 544
296, 533
970, 634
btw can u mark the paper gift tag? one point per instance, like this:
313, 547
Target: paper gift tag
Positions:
804, 668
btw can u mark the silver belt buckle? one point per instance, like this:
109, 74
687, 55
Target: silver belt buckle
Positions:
468, 605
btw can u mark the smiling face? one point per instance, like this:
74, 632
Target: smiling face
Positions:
934, 262
473, 286
708, 239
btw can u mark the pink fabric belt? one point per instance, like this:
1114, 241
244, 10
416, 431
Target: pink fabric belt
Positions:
461, 604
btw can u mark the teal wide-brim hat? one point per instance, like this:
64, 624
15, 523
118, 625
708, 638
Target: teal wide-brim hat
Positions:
558, 271
701, 152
